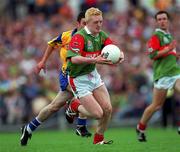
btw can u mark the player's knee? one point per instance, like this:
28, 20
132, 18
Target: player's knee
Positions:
108, 110
177, 87
156, 107
98, 114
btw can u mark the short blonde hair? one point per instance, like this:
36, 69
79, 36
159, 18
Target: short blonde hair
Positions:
92, 12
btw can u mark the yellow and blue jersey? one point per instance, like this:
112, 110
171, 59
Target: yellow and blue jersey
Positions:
63, 41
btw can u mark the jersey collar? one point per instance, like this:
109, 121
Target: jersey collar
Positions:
88, 31
160, 30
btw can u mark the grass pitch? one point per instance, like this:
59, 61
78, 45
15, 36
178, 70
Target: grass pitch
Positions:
159, 140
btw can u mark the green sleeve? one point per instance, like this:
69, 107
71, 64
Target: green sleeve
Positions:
71, 54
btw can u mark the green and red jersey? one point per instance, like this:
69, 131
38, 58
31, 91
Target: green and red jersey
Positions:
167, 64
83, 43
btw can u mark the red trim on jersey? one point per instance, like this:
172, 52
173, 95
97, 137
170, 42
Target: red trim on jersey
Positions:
71, 82
90, 54
108, 41
154, 43
170, 53
77, 43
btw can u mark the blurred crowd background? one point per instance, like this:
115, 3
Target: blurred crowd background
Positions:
27, 25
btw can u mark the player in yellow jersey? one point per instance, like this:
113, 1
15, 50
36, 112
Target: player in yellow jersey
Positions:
65, 94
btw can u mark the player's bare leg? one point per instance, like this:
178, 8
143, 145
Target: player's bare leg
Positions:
77, 107
81, 128
177, 86
90, 107
159, 96
58, 102
102, 97
100, 110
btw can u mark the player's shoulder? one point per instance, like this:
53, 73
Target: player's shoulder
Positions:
80, 34
159, 33
153, 39
70, 32
103, 34
155, 35
67, 33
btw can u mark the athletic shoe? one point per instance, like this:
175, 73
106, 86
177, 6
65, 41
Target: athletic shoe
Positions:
25, 136
70, 115
141, 135
71, 111
99, 140
104, 142
82, 131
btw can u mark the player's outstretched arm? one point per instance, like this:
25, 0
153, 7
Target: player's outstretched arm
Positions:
42, 62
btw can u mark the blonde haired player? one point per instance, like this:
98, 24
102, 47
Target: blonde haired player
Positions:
83, 54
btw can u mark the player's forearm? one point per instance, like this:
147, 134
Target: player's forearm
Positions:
167, 49
81, 59
163, 52
47, 53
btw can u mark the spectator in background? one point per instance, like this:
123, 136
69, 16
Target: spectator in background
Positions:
65, 10
87, 4
163, 4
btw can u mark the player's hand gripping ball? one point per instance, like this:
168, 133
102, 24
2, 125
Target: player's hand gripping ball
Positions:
112, 52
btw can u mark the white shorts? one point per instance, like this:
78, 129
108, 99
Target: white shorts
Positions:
85, 84
166, 82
